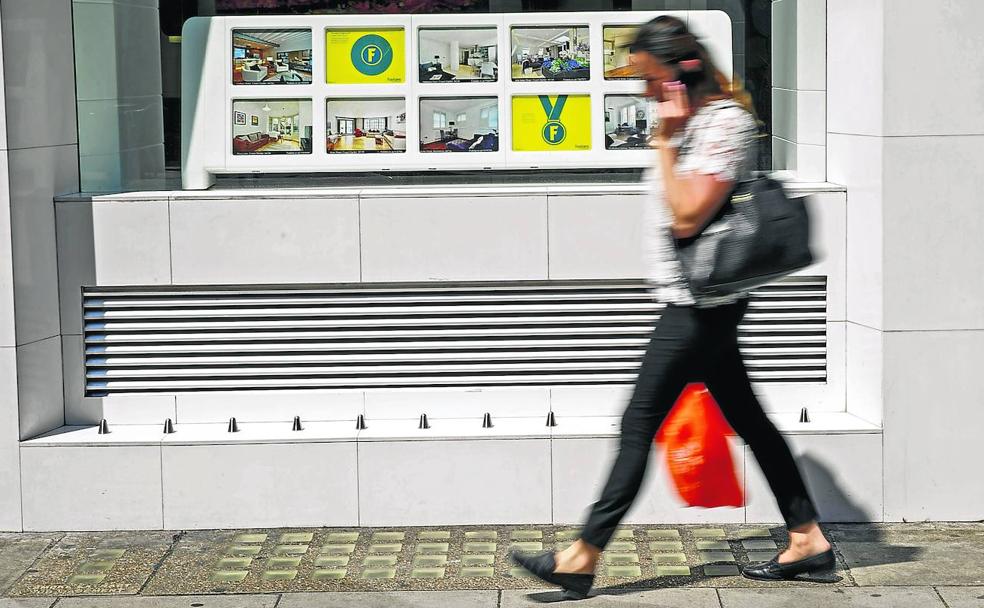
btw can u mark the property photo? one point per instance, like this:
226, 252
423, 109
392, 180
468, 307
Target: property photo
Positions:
271, 126
616, 40
458, 55
366, 125
459, 124
628, 123
551, 53
271, 56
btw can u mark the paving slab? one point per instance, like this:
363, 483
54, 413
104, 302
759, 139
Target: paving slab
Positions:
175, 601
962, 597
392, 599
18, 552
65, 569
24, 602
912, 554
841, 597
651, 598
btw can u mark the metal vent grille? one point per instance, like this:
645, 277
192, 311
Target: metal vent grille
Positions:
407, 335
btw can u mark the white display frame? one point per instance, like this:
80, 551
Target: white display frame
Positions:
208, 92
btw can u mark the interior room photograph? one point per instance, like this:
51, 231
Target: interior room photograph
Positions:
271, 56
627, 122
366, 125
553, 53
616, 40
271, 126
460, 124
450, 55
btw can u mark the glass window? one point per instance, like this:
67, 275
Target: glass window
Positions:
440, 120
376, 124
751, 56
489, 117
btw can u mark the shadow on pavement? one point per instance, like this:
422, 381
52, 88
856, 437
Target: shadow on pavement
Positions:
852, 518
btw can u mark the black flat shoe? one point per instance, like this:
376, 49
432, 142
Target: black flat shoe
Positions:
772, 570
542, 566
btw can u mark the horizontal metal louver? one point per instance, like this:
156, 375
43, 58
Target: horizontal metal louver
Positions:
410, 335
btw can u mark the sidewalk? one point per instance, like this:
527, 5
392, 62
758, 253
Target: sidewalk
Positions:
897, 566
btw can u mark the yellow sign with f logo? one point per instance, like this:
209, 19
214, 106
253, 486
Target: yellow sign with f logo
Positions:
542, 123
365, 56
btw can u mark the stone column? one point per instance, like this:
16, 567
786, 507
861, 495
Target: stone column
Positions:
40, 161
906, 136
10, 517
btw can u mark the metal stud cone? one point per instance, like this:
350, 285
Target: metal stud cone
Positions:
551, 420
423, 422
360, 423
233, 425
297, 424
487, 421
168, 427
103, 427
804, 415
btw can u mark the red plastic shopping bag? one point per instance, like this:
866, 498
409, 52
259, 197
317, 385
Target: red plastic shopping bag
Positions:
695, 437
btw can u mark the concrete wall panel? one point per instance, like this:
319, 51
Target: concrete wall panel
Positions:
596, 237
933, 422
92, 488
260, 485
497, 482
265, 241
446, 239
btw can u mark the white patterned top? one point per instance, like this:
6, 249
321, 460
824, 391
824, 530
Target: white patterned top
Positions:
716, 141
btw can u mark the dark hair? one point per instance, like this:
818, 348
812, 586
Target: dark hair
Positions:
670, 41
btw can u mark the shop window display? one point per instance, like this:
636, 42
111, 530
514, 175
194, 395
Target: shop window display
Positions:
550, 53
361, 125
460, 124
271, 126
616, 41
458, 54
629, 122
271, 56
751, 57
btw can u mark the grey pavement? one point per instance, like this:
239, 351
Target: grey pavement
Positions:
912, 554
850, 597
650, 598
926, 565
27, 602
393, 599
177, 601
17, 553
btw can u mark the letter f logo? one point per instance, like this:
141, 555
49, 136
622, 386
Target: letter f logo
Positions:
554, 131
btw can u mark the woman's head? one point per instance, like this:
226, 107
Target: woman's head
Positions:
664, 51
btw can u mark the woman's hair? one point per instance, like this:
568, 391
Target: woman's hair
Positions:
670, 41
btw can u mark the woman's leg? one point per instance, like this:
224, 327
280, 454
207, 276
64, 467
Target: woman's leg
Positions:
666, 369
727, 379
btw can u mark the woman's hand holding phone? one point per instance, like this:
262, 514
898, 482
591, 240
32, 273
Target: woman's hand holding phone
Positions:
673, 108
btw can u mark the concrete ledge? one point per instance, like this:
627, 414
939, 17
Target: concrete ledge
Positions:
394, 473
453, 190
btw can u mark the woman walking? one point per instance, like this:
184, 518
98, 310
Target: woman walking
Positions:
704, 143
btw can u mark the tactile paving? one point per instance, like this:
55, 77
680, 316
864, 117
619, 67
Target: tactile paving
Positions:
299, 560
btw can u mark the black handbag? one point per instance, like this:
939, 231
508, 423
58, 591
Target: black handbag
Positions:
759, 235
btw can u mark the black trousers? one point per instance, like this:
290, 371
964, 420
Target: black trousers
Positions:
692, 344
